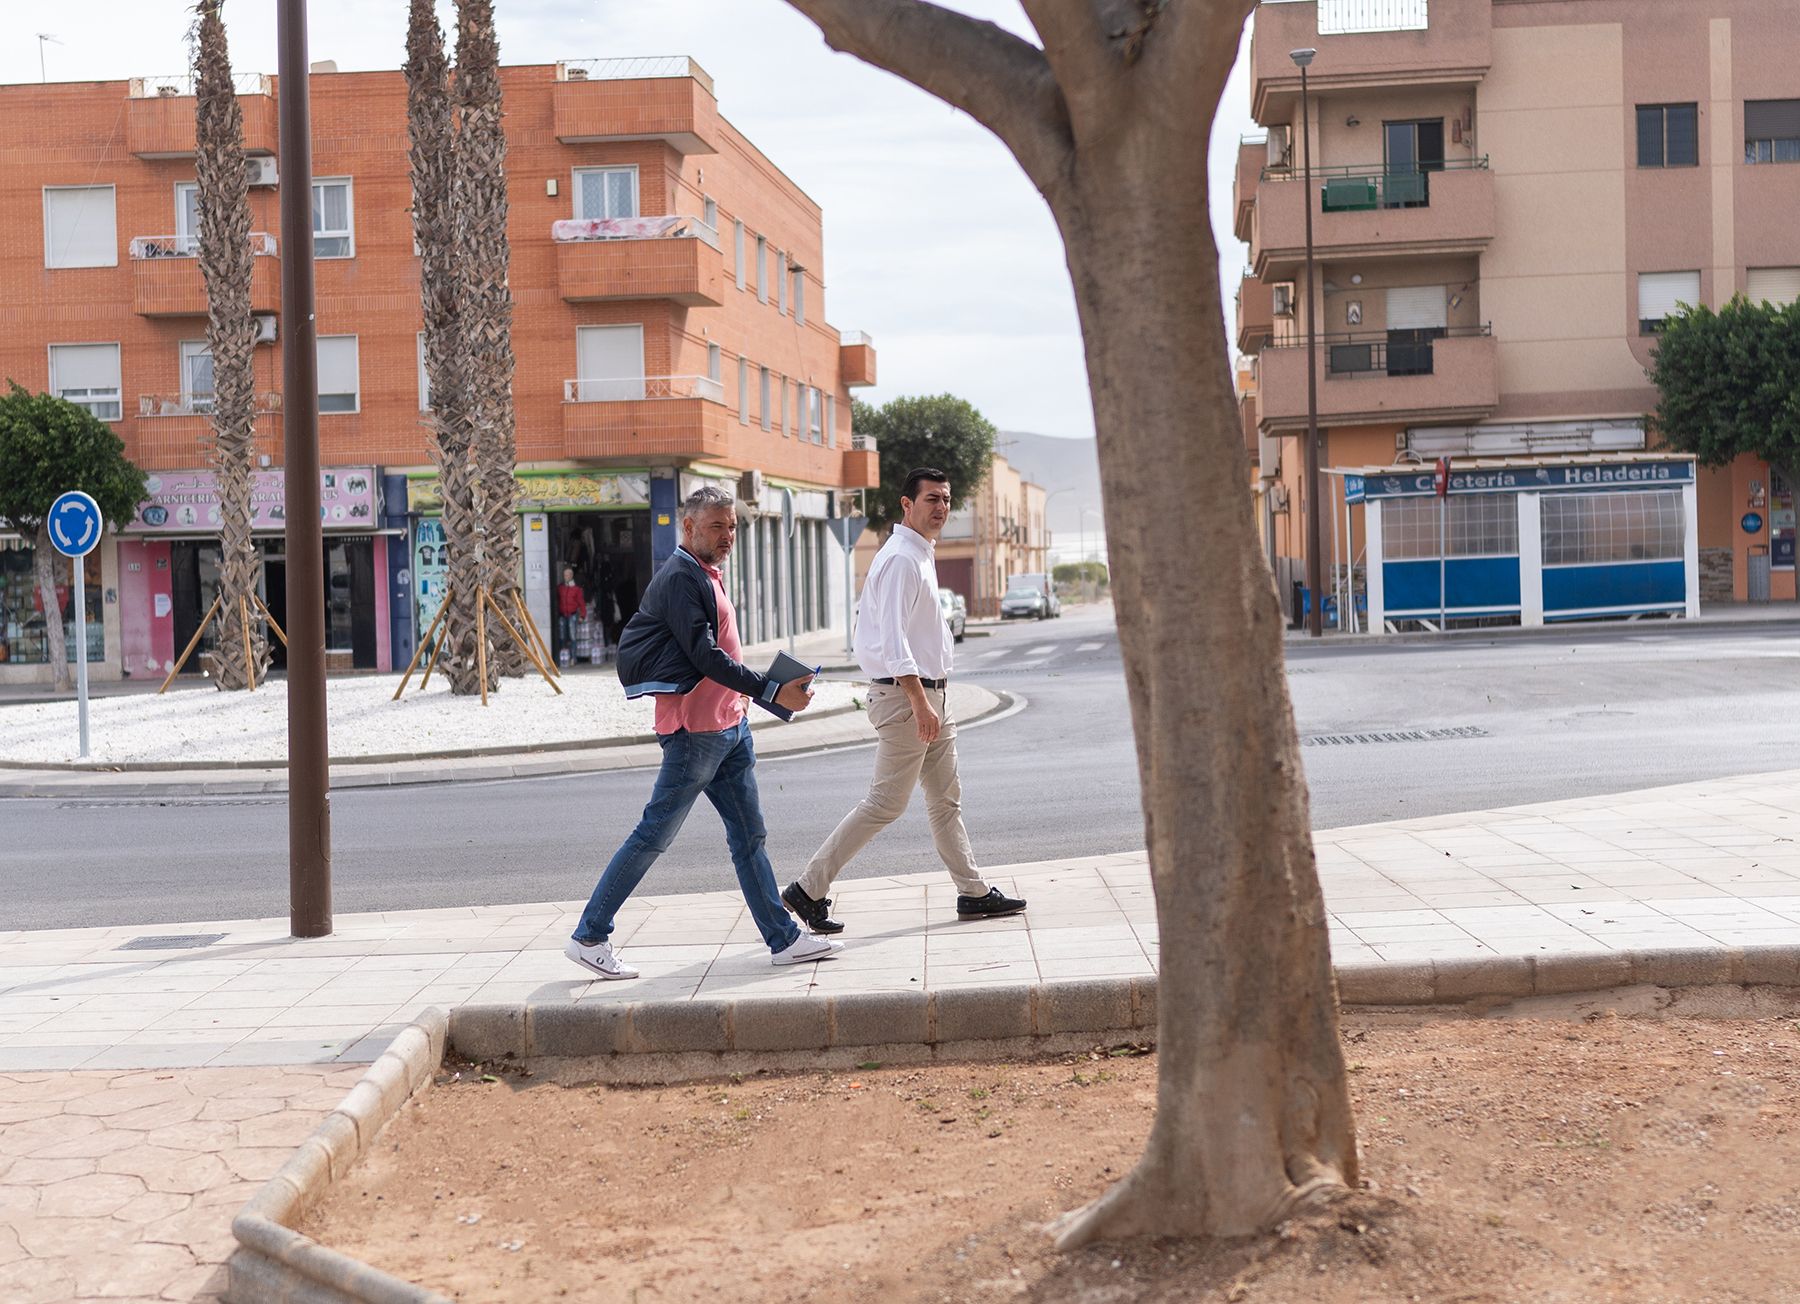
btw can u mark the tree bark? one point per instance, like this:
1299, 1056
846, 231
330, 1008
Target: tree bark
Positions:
430, 121
1253, 1110
56, 643
226, 266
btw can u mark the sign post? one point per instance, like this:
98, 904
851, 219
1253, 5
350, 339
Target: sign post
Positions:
847, 530
75, 527
1441, 483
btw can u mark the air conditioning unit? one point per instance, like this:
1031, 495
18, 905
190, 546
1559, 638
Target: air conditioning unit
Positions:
750, 487
1280, 146
265, 327
260, 170
1278, 498
1283, 295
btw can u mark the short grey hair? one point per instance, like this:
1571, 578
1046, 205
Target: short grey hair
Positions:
705, 499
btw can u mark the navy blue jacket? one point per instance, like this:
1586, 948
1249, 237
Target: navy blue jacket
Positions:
672, 643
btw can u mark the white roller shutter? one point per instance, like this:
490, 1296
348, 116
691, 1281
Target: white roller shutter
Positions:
339, 386
1777, 285
1659, 292
610, 360
80, 227
84, 366
1417, 308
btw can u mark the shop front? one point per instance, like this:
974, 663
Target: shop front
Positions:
170, 560
24, 628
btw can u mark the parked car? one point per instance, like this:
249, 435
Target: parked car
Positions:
1023, 603
1043, 584
955, 612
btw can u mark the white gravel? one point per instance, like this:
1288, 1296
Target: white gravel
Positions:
194, 726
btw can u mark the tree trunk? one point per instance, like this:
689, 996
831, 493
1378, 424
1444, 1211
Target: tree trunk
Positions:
56, 644
479, 198
1110, 119
430, 121
226, 265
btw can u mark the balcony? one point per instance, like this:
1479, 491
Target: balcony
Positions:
159, 116
1253, 156
646, 417
166, 279
674, 258
1374, 377
856, 359
175, 430
666, 99
1365, 43
862, 463
1366, 212
1255, 313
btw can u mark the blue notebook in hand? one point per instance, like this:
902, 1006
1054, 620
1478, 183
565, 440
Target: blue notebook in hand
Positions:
784, 669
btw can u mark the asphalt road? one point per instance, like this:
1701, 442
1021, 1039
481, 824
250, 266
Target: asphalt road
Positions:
1487, 723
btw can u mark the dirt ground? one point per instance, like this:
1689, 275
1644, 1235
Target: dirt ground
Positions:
1589, 1159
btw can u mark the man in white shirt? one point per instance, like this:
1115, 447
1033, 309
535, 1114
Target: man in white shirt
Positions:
903, 644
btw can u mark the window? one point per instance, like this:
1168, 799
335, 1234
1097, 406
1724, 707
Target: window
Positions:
715, 363
88, 376
831, 419
424, 378
781, 283
818, 417
1475, 525
339, 388
1660, 292
800, 296
333, 212
737, 242
1777, 285
787, 416
1582, 529
1668, 136
602, 193
610, 363
709, 214
80, 227
196, 376
743, 391
187, 218
799, 427
762, 270
1412, 149
763, 407
1772, 131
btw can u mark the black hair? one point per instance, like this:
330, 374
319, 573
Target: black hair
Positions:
919, 476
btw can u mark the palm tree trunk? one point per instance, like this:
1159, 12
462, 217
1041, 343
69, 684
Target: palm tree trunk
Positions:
225, 263
480, 201
430, 121
56, 644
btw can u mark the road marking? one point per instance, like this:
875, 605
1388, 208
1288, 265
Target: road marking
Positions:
997, 652
1045, 650
1090, 647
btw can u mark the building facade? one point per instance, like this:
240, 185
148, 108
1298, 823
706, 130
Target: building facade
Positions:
1508, 198
669, 327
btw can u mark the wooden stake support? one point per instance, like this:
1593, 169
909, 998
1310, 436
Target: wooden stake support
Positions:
524, 644
420, 650
484, 603
249, 648
193, 643
270, 617
529, 625
481, 607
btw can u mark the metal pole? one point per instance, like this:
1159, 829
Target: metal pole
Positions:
1349, 566
849, 599
309, 775
1315, 620
81, 687
1443, 502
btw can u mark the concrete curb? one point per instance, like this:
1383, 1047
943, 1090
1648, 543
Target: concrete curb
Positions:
275, 1262
1502, 633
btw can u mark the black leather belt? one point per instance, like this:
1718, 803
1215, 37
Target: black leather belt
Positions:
923, 682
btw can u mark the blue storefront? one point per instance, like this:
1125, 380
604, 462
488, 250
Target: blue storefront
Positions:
1535, 540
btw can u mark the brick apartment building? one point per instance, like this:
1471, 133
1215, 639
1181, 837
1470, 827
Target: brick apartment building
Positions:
670, 328
1507, 199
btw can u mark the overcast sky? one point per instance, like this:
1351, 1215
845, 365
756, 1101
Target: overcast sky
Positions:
934, 241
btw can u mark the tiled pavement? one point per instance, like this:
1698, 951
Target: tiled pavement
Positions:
175, 1036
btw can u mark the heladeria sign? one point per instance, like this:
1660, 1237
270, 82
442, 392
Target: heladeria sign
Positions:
1524, 479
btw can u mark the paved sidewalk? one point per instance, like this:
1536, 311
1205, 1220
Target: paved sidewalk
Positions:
141, 1090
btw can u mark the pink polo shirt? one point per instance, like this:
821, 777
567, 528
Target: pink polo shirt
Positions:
710, 707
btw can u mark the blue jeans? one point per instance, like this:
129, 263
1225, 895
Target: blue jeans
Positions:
723, 766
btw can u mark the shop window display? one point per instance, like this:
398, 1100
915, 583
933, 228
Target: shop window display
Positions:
23, 633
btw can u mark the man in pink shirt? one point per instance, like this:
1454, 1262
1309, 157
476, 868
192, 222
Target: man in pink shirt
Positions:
682, 646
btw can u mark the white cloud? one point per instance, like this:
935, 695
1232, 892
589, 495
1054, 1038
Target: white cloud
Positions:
936, 244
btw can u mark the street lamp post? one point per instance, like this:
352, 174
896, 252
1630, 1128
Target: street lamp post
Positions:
1087, 511
1315, 616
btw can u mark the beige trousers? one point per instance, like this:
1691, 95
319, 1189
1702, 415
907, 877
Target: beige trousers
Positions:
902, 763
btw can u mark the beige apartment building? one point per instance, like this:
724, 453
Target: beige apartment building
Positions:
1508, 197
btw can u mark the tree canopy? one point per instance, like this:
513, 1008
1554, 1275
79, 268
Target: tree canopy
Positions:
1729, 383
938, 430
49, 446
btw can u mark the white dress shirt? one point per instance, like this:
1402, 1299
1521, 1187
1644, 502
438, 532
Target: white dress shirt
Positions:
899, 628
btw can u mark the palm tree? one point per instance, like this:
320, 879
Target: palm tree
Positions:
231, 338
433, 149
479, 197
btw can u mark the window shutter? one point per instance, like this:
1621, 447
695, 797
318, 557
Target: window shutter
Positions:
85, 366
80, 227
1777, 285
1417, 307
337, 364
1659, 292
1771, 119
606, 356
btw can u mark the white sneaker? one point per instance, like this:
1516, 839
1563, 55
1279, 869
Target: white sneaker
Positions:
805, 949
599, 959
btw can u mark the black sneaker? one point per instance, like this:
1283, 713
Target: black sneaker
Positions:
992, 906
816, 915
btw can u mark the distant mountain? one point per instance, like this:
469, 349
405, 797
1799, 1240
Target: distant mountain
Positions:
1071, 464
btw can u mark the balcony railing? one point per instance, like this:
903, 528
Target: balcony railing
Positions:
196, 405
851, 338
1353, 354
633, 389
1360, 188
670, 65
1342, 17
175, 85
262, 245
577, 230
863, 443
